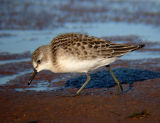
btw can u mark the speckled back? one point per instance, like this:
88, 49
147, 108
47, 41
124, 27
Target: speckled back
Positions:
87, 47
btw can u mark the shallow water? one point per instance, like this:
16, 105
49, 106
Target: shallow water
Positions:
41, 86
23, 41
5, 79
144, 31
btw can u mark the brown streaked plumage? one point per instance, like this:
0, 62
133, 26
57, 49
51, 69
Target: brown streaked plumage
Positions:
73, 52
87, 47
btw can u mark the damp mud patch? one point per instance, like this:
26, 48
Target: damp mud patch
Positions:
103, 79
9, 56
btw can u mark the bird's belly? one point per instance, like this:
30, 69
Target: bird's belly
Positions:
76, 65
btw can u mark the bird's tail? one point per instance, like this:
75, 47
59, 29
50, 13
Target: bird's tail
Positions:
141, 46
120, 50
138, 47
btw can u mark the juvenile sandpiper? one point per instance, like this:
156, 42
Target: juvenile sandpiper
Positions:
74, 52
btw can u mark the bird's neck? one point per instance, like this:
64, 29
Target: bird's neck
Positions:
49, 64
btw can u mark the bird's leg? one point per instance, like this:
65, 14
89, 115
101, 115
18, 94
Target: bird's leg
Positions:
88, 78
120, 88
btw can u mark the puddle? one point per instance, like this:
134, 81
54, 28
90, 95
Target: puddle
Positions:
37, 89
41, 86
5, 79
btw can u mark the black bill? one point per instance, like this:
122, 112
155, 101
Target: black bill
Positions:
32, 76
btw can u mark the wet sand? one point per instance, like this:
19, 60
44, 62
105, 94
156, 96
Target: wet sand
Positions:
138, 103
94, 105
48, 98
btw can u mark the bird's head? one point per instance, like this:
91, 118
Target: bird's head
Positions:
40, 61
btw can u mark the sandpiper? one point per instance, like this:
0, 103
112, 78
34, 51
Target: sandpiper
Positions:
74, 52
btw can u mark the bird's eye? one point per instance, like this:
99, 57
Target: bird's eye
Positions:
39, 61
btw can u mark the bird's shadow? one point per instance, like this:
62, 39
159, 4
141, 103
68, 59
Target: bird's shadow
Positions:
103, 79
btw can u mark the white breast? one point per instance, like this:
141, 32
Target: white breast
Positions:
72, 64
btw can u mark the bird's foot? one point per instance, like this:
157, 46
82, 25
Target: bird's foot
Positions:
120, 89
76, 94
